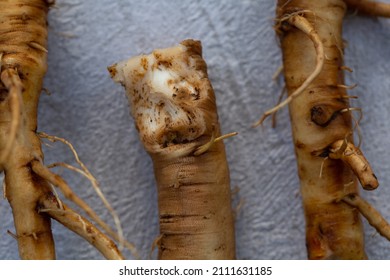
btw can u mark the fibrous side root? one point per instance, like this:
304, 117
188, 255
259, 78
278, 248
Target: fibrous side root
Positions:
204, 148
372, 215
45, 173
10, 79
81, 226
354, 158
86, 173
304, 25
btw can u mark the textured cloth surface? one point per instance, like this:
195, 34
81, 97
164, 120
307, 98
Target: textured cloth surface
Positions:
241, 50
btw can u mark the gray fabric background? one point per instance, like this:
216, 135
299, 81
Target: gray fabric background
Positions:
242, 54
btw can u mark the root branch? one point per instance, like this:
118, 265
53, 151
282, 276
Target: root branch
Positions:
354, 158
304, 25
82, 227
204, 148
13, 84
372, 215
87, 174
370, 8
56, 180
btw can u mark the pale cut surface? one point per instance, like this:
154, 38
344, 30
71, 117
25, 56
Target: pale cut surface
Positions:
174, 108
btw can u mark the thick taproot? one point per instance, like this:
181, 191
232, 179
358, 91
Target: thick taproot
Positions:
319, 119
173, 104
23, 40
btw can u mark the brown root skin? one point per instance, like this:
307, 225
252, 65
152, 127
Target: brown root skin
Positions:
333, 229
10, 79
173, 104
194, 205
304, 25
33, 230
23, 53
23, 67
369, 8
